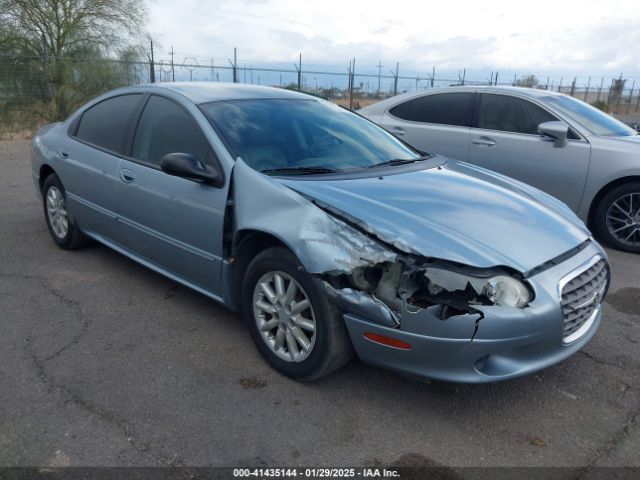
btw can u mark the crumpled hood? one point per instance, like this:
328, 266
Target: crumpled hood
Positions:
457, 212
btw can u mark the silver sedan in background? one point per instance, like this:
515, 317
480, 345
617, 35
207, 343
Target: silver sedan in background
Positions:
551, 141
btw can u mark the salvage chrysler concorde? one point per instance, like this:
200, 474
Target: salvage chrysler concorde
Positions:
326, 232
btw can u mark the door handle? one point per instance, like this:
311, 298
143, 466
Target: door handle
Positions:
64, 153
127, 176
483, 141
399, 131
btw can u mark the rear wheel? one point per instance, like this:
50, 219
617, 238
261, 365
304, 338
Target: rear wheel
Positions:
617, 219
61, 224
293, 324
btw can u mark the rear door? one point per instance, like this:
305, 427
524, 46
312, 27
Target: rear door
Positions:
171, 222
90, 158
434, 123
504, 138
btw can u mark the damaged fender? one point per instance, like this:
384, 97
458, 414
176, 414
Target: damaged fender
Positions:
322, 243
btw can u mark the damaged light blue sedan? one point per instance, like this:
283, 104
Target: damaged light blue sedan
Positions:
328, 234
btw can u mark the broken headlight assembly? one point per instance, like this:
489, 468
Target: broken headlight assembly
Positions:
500, 289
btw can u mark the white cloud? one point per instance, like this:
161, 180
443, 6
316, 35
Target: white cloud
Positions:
580, 37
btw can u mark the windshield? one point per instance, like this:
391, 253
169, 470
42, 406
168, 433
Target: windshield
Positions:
589, 117
303, 136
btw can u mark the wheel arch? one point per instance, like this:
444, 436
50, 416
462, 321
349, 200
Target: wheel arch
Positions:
603, 191
247, 244
45, 171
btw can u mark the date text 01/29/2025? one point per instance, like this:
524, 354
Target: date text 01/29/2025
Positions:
315, 472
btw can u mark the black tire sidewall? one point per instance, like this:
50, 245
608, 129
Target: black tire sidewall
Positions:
600, 220
279, 259
53, 181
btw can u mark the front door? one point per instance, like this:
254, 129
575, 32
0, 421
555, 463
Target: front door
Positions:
171, 222
504, 138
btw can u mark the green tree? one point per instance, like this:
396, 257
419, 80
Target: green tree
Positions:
527, 81
56, 28
615, 92
58, 53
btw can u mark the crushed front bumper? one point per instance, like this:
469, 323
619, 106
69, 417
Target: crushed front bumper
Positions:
505, 343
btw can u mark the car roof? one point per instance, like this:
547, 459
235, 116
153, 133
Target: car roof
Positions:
530, 92
203, 92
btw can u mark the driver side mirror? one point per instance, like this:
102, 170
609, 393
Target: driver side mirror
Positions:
188, 166
557, 130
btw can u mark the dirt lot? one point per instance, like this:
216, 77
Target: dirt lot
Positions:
103, 363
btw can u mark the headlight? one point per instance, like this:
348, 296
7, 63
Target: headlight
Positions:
498, 290
506, 291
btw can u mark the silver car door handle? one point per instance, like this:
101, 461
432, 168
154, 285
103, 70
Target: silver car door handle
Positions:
399, 131
64, 153
127, 176
484, 141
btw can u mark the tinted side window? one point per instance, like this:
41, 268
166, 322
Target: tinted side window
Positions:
444, 108
106, 123
164, 128
510, 114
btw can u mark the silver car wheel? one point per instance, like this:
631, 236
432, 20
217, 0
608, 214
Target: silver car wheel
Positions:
623, 219
57, 212
284, 316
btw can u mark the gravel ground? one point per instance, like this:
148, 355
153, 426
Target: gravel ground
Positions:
105, 363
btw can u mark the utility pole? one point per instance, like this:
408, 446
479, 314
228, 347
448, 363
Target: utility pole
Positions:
600, 90
495, 82
630, 96
395, 79
586, 92
152, 72
379, 75
300, 72
234, 65
573, 87
352, 68
621, 83
433, 75
173, 71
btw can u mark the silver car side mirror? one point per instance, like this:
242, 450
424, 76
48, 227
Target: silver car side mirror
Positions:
557, 130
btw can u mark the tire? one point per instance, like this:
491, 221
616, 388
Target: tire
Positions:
60, 222
329, 345
617, 218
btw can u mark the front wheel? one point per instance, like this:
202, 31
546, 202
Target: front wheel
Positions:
617, 219
293, 324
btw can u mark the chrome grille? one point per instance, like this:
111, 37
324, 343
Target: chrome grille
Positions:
581, 296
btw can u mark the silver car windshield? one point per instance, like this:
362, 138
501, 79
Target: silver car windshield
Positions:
590, 117
307, 136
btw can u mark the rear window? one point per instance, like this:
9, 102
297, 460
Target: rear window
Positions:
106, 123
444, 108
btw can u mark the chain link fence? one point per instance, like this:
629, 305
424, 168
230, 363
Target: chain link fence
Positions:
34, 91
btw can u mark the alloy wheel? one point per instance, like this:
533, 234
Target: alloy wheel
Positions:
284, 316
57, 212
623, 219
